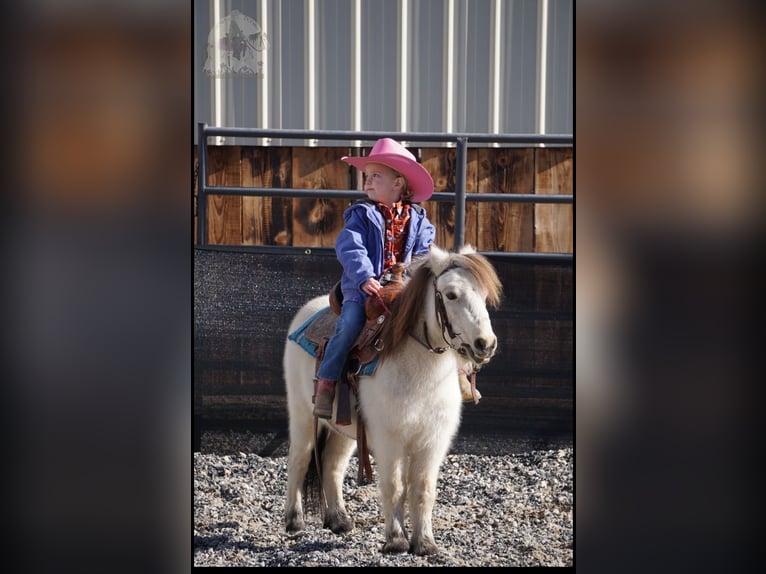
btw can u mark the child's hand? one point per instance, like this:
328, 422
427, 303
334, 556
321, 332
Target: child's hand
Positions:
371, 286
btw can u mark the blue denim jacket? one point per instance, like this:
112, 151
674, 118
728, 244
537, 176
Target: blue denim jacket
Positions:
359, 245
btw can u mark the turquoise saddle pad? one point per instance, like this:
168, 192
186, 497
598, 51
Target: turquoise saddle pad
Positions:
298, 336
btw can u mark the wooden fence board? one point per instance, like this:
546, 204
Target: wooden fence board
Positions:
553, 223
440, 163
224, 211
316, 222
506, 226
472, 224
266, 220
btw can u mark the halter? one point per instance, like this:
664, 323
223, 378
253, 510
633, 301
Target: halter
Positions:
444, 323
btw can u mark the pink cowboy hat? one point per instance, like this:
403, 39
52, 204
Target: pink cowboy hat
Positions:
394, 155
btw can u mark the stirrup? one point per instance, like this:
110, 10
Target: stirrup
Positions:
323, 401
323, 406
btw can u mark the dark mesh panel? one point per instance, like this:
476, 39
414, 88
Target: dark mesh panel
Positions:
244, 302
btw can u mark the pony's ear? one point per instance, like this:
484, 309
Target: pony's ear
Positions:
438, 259
467, 248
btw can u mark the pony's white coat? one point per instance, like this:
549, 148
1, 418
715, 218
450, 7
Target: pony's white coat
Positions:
411, 406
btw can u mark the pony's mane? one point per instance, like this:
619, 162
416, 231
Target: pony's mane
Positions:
407, 306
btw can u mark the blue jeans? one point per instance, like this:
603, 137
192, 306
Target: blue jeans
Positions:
347, 329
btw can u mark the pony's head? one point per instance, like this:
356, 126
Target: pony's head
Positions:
444, 305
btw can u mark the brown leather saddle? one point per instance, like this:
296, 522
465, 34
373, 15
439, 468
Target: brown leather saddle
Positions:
377, 309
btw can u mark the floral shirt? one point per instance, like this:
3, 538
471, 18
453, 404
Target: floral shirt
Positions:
395, 219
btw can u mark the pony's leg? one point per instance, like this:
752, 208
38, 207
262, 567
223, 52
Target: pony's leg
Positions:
335, 459
298, 459
423, 474
392, 495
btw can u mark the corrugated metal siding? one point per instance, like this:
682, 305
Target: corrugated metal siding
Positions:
478, 66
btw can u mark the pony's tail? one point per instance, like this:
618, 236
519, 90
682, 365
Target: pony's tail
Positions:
312, 484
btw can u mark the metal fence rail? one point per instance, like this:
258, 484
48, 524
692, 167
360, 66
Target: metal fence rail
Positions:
460, 197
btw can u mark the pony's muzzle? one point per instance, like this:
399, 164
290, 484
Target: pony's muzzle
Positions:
485, 346
482, 350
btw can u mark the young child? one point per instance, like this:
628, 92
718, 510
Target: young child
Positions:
380, 231
385, 229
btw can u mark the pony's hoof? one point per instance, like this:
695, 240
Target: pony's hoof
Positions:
396, 545
295, 523
423, 548
339, 523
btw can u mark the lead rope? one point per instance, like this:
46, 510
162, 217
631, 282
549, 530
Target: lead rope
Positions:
472, 378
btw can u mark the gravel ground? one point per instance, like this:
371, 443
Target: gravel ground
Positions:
500, 502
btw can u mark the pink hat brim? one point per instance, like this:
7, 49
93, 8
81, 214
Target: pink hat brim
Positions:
419, 180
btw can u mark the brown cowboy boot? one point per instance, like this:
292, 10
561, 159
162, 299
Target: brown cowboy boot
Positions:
465, 388
323, 399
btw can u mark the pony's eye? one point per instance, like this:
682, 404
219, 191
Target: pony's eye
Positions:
451, 295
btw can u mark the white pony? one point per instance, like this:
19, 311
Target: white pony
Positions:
411, 405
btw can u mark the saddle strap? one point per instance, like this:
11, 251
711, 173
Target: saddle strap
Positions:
343, 413
363, 453
370, 331
367, 345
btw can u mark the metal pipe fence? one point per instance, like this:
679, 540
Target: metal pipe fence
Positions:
459, 197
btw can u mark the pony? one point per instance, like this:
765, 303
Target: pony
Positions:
411, 404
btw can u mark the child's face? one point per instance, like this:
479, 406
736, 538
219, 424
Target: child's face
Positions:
381, 184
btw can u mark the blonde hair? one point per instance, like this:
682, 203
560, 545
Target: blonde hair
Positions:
406, 191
